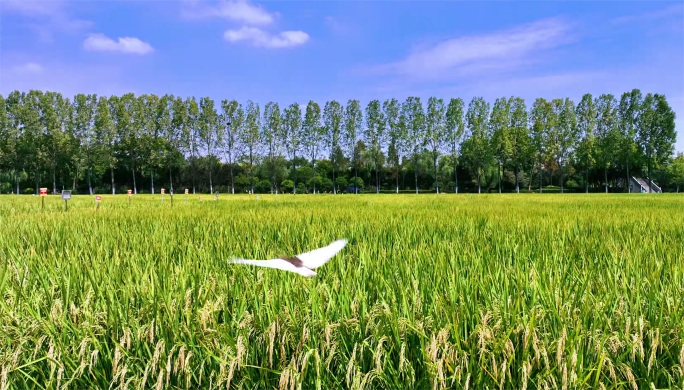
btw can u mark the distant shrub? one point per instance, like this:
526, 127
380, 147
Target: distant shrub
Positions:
28, 191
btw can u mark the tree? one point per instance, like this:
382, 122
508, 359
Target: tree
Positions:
124, 111
250, 137
232, 119
150, 136
396, 134
519, 136
49, 104
375, 135
14, 133
586, 127
193, 120
84, 106
352, 127
292, 122
105, 133
676, 170
162, 125
656, 132
271, 136
607, 136
312, 134
333, 115
435, 131
477, 152
563, 132
32, 148
499, 128
177, 137
208, 133
541, 122
628, 116
4, 135
414, 117
453, 133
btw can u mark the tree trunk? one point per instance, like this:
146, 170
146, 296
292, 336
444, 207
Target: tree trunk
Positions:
560, 168
650, 182
193, 175
171, 179
294, 167
629, 188
377, 176
313, 164
455, 176
605, 173
54, 181
529, 183
211, 184
498, 173
356, 178
415, 171
586, 180
152, 180
232, 184
251, 172
135, 187
479, 189
517, 184
111, 168
541, 184
396, 170
16, 179
436, 180
333, 176
90, 186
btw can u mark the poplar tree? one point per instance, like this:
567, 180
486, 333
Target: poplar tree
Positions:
454, 132
352, 128
312, 134
375, 133
250, 137
521, 147
414, 117
292, 123
333, 116
586, 127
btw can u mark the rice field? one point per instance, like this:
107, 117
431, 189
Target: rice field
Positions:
432, 292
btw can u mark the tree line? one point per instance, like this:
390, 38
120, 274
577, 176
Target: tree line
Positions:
96, 144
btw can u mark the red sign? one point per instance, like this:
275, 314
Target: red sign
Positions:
186, 191
214, 198
98, 198
162, 191
43, 192
130, 192
200, 198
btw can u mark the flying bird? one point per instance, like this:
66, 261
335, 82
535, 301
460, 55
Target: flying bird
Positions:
303, 263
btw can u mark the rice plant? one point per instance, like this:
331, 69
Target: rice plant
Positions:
432, 292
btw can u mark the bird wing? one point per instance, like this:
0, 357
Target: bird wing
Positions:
320, 256
276, 264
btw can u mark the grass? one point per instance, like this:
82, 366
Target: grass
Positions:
432, 292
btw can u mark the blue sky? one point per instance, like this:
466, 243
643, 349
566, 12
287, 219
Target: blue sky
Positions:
314, 50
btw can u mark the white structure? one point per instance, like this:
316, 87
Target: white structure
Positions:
637, 184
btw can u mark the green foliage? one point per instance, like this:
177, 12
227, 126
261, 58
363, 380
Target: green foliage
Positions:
287, 186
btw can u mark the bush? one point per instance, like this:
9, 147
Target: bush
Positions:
28, 191
286, 186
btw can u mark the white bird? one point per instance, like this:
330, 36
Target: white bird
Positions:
303, 263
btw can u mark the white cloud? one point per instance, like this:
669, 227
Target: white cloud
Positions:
29, 67
46, 17
33, 8
260, 38
674, 10
467, 54
241, 11
100, 42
